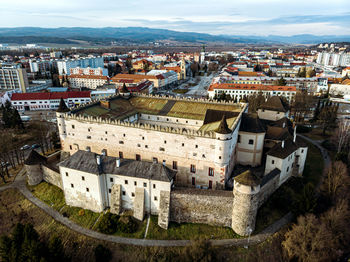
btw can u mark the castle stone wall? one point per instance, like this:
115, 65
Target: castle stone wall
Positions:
34, 174
213, 207
116, 196
164, 209
139, 203
52, 176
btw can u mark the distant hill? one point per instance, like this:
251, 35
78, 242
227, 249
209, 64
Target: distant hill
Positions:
144, 35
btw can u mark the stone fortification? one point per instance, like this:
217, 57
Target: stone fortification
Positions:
201, 206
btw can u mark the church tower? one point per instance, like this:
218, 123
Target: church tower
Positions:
183, 69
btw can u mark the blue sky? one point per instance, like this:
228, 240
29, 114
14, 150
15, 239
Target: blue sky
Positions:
232, 17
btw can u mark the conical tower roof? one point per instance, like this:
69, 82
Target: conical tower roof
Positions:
247, 178
62, 107
34, 158
223, 128
124, 89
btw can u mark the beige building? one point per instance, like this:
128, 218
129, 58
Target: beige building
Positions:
13, 78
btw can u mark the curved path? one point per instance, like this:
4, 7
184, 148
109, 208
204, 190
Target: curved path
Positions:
20, 184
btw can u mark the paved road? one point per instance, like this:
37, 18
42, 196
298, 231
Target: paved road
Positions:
20, 184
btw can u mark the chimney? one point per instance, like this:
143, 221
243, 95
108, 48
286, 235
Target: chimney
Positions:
98, 159
295, 134
117, 161
283, 144
164, 162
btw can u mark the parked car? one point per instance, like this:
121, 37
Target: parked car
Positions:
25, 147
35, 146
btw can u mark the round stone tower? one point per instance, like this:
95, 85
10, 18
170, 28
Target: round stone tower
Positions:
33, 167
222, 148
62, 109
245, 203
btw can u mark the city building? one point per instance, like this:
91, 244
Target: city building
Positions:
240, 91
48, 100
88, 81
64, 66
13, 78
89, 71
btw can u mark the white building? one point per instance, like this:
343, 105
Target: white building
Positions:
88, 81
240, 91
48, 101
89, 71
88, 179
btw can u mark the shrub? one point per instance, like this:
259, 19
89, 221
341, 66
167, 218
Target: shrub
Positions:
127, 224
81, 212
303, 129
108, 223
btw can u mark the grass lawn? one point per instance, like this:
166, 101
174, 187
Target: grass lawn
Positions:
50, 194
316, 134
180, 91
272, 210
83, 217
188, 231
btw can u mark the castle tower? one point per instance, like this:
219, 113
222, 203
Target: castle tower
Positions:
33, 167
183, 69
245, 203
202, 55
222, 148
62, 109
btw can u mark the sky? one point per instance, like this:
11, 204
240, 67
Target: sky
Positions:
228, 17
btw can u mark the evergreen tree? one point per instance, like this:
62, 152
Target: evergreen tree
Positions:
102, 253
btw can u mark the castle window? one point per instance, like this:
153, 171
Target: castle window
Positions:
124, 193
133, 194
273, 161
123, 135
71, 185
83, 178
155, 160
73, 126
70, 147
161, 149
121, 142
251, 142
211, 171
193, 169
143, 138
66, 173
154, 186
126, 182
109, 190
146, 146
106, 132
111, 179
287, 169
167, 119
155, 198
88, 137
144, 184
89, 129
196, 146
203, 155
193, 181
183, 144
302, 151
138, 145
164, 141
135, 183
138, 157
149, 117
87, 189
219, 157
239, 139
210, 184
175, 165
120, 155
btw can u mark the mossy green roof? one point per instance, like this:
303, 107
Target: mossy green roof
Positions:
248, 178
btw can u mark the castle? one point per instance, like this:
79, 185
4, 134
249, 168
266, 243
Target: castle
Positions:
176, 158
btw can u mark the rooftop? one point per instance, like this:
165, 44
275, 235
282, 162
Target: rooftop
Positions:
86, 161
122, 107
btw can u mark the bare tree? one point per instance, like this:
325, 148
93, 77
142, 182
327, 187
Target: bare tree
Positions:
341, 137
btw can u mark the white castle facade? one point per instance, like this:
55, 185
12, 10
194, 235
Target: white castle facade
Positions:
138, 152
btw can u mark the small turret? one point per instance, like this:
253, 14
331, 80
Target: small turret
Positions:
124, 91
223, 127
61, 110
33, 167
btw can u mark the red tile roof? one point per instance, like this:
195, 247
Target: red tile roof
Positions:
50, 95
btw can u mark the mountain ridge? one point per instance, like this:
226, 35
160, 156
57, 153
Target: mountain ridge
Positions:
145, 34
